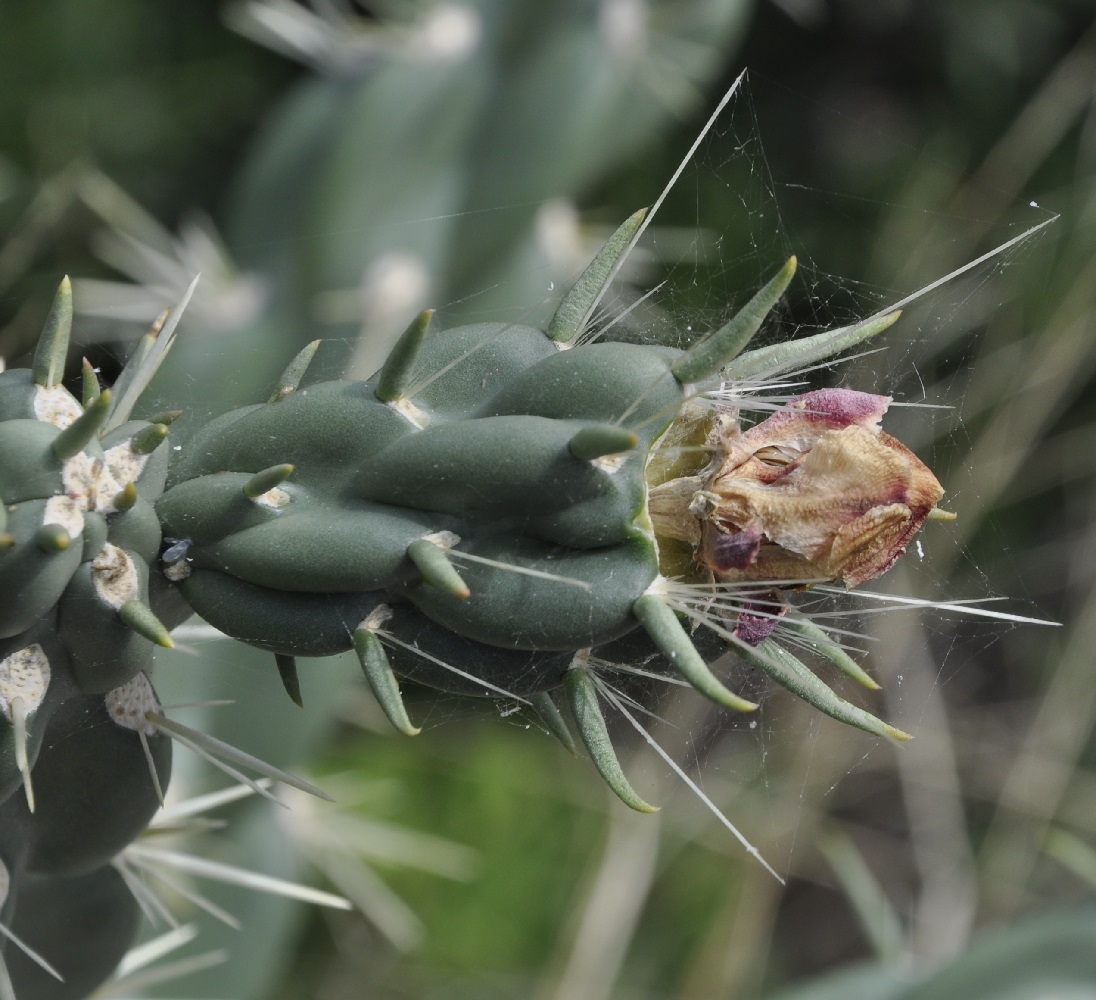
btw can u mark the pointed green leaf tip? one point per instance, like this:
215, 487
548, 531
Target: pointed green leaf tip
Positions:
667, 633
784, 668
580, 301
125, 498
436, 569
381, 679
291, 377
599, 440
825, 647
776, 359
287, 671
148, 439
265, 481
707, 357
49, 358
80, 432
548, 711
89, 383
138, 616
582, 695
396, 373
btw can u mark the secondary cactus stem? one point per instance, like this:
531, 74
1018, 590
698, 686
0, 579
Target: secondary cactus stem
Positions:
582, 696
573, 312
287, 671
267, 480
294, 372
706, 358
49, 358
83, 429
395, 376
139, 617
668, 634
380, 677
436, 569
599, 440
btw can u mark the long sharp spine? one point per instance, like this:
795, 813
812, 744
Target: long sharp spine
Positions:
707, 357
661, 624
74, 438
49, 358
381, 679
582, 696
396, 374
573, 312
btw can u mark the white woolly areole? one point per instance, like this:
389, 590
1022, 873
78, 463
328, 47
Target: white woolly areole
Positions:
124, 463
5, 883
129, 704
24, 674
89, 483
54, 404
443, 539
66, 512
177, 571
275, 499
115, 576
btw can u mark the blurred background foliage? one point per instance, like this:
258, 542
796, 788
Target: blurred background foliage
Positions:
333, 168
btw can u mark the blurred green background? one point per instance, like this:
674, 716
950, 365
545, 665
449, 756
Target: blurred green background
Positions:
333, 168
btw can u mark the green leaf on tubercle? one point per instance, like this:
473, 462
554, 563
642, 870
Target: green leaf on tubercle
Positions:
165, 417
49, 357
52, 538
148, 439
84, 428
139, 617
574, 311
268, 479
705, 358
824, 646
436, 569
548, 712
776, 359
396, 373
287, 671
661, 624
125, 498
89, 383
582, 696
787, 670
294, 372
599, 440
382, 680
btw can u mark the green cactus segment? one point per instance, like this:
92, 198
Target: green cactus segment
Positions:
81, 925
787, 670
267, 480
291, 377
49, 359
667, 633
84, 429
381, 678
766, 362
600, 440
287, 671
705, 359
29, 470
395, 377
431, 561
825, 646
582, 696
574, 311
548, 711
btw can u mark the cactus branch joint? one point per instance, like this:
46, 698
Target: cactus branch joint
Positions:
497, 512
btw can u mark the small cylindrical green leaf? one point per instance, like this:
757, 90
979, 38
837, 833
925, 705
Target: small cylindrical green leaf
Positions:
268, 479
661, 624
546, 708
582, 696
148, 439
287, 670
436, 569
89, 383
396, 373
52, 538
139, 617
599, 440
825, 647
125, 498
708, 356
291, 377
84, 428
49, 358
577, 305
382, 680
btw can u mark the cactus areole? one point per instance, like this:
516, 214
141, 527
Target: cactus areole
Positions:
491, 514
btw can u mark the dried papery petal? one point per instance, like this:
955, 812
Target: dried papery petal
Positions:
816, 492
